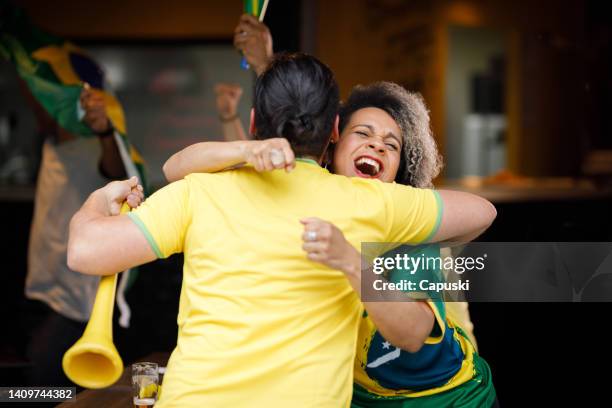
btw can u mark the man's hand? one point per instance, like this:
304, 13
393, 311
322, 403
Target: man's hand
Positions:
116, 192
254, 40
92, 102
228, 96
269, 154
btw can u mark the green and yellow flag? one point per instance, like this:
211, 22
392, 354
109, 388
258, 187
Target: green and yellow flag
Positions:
253, 7
55, 71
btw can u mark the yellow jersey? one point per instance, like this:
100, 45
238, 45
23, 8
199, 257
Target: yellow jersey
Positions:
259, 324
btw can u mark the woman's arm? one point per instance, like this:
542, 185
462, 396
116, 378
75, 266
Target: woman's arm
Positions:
210, 157
405, 324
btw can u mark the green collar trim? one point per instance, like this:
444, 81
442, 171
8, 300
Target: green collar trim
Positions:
307, 161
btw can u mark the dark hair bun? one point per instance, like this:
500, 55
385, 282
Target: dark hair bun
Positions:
297, 98
299, 125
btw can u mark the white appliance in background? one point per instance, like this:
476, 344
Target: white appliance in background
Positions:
483, 144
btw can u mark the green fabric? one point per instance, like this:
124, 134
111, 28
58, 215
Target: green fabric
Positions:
19, 39
60, 101
300, 159
253, 7
143, 228
438, 219
475, 393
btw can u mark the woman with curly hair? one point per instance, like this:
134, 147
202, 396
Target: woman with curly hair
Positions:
384, 134
446, 371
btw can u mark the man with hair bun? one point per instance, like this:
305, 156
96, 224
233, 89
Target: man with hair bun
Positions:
261, 325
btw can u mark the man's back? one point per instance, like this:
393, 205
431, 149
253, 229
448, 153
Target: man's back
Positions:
259, 324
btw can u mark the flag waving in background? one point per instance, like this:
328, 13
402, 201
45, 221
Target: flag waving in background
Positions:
255, 8
55, 71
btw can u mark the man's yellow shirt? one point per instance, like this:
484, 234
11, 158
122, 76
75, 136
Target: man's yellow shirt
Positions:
259, 324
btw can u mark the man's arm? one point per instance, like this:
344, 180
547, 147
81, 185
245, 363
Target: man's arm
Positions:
100, 241
95, 117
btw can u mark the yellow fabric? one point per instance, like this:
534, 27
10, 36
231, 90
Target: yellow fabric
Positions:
117, 117
58, 57
439, 322
259, 324
366, 332
459, 312
456, 306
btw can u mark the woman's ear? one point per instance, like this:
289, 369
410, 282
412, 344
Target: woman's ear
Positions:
252, 128
335, 132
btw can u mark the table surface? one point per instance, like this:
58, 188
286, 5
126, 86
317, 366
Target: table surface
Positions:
527, 190
117, 395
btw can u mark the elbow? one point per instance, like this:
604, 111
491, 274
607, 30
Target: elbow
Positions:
171, 169
75, 257
412, 346
490, 213
80, 258
167, 172
407, 341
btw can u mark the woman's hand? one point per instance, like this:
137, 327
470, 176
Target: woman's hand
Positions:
325, 243
269, 154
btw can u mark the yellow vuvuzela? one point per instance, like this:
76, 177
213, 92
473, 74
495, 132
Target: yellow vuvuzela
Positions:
93, 361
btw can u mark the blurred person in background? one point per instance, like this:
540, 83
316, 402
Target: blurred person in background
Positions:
71, 168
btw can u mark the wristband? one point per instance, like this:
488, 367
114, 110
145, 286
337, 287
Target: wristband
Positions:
107, 133
229, 118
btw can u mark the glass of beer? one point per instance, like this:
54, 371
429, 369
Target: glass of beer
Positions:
145, 384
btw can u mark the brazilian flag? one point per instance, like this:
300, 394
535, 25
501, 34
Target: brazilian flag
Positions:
55, 71
253, 7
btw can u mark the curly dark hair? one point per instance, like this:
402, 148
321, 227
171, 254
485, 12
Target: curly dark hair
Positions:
420, 161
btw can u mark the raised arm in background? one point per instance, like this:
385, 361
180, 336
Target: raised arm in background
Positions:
227, 98
92, 101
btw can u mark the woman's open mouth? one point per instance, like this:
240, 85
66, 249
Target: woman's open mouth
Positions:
368, 167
